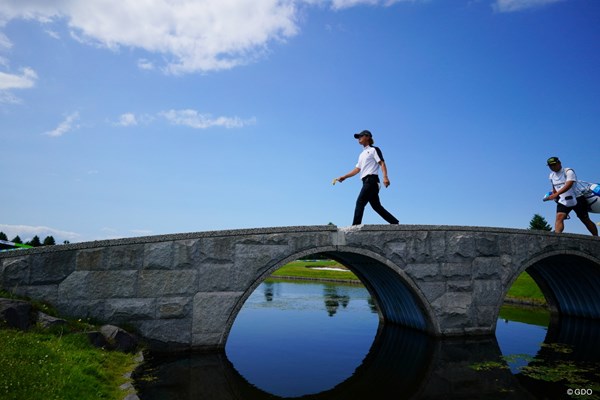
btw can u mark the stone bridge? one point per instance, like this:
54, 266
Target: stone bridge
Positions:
184, 291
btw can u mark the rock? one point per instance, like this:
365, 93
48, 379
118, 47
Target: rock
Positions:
15, 314
97, 339
48, 321
119, 339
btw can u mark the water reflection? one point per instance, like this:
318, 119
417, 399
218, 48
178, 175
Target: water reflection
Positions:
580, 334
308, 337
287, 345
269, 290
568, 359
405, 363
519, 332
333, 300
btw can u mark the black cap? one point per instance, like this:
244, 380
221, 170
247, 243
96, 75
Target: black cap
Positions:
363, 133
553, 160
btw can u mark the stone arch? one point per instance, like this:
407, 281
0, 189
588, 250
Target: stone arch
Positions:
399, 299
569, 280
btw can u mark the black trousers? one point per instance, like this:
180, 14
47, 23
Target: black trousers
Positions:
370, 194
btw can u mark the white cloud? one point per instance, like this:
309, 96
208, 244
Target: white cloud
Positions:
341, 4
27, 232
145, 64
194, 119
66, 126
190, 35
5, 42
518, 5
53, 34
8, 82
25, 80
130, 119
127, 119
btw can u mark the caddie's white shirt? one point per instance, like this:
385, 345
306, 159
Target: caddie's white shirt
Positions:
559, 179
368, 161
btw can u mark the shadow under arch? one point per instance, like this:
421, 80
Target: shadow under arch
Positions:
399, 300
569, 281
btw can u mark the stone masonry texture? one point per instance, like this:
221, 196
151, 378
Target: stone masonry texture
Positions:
183, 291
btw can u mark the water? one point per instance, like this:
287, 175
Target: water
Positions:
324, 341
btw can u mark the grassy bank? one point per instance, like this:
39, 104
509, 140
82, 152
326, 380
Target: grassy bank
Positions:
60, 363
44, 366
523, 290
526, 290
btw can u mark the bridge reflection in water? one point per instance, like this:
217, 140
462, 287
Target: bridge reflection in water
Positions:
401, 362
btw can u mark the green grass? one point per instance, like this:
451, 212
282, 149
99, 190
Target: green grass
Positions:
305, 269
525, 288
59, 363
36, 365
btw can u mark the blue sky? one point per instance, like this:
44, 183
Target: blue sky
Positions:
120, 118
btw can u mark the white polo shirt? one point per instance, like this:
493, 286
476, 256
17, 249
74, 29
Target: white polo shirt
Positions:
368, 161
559, 180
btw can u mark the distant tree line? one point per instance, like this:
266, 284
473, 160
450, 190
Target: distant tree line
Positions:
34, 242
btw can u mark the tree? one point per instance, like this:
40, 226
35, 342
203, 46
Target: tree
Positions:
539, 223
35, 242
17, 240
3, 236
49, 241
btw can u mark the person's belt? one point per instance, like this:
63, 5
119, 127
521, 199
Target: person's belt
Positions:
370, 177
